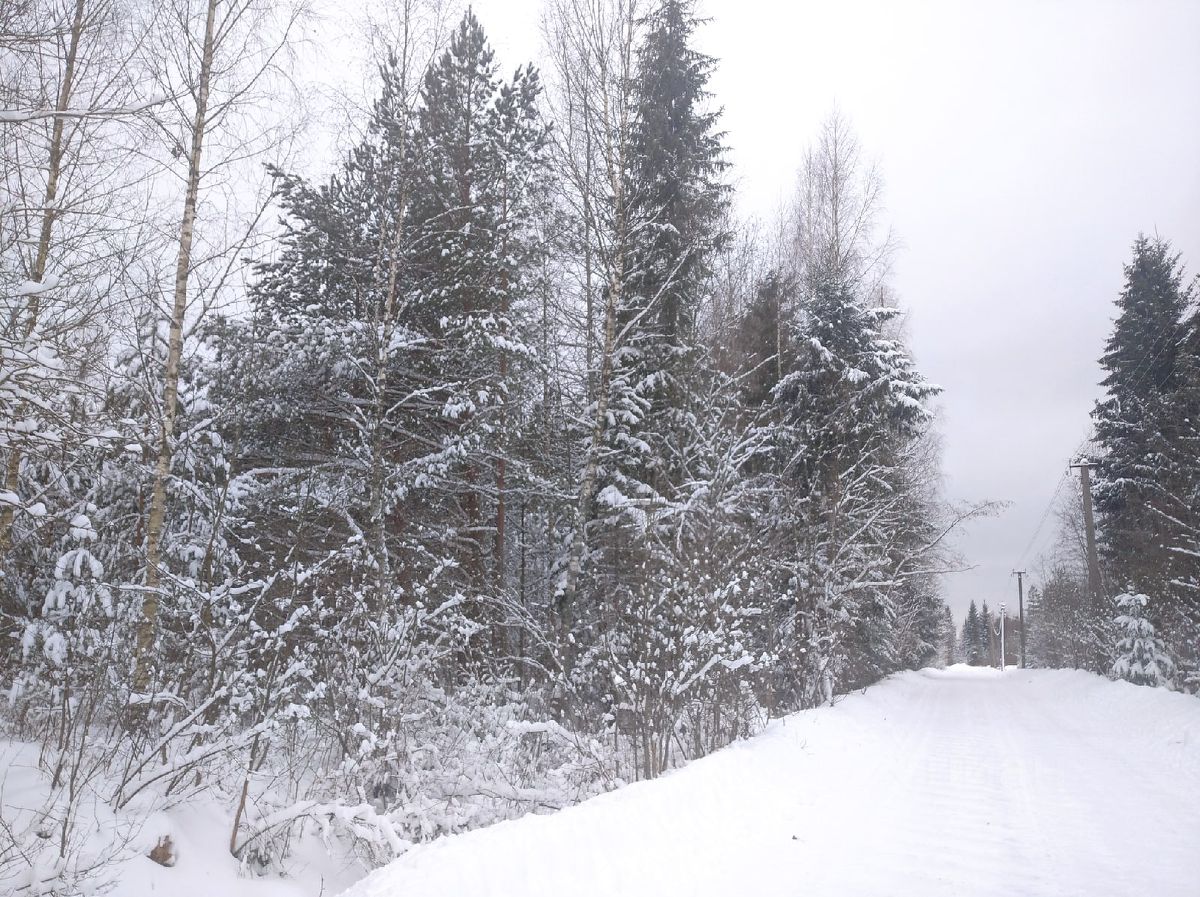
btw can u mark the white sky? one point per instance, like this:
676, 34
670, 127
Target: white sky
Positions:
1024, 143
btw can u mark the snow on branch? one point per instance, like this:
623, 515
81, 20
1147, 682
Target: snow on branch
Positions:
24, 116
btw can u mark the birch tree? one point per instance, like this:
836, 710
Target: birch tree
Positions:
69, 110
214, 59
593, 50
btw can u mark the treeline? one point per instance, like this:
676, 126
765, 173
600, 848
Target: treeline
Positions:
507, 467
979, 642
1136, 612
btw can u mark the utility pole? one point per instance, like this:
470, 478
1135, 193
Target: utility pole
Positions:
1020, 575
1089, 525
1002, 636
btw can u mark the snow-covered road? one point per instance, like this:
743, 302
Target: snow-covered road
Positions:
962, 782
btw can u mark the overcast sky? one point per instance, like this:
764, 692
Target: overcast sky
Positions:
1024, 146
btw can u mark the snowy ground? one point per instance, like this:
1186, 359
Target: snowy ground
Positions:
962, 782
199, 831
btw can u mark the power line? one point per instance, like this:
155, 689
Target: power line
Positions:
1090, 437
1045, 515
1146, 365
1066, 475
1142, 370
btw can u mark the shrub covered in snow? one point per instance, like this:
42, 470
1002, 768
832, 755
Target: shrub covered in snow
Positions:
1141, 658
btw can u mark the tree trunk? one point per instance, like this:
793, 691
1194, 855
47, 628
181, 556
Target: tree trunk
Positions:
378, 494
587, 488
150, 601
42, 256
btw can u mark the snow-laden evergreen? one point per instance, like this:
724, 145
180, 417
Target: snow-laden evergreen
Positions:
1145, 491
1140, 657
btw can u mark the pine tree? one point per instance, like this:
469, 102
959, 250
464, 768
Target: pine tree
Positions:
328, 381
480, 146
417, 260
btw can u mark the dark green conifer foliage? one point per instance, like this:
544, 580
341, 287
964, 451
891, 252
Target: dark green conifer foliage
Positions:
1180, 617
1145, 492
678, 203
972, 652
675, 176
1134, 423
853, 389
479, 144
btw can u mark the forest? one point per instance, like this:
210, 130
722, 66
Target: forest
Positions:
490, 460
1130, 605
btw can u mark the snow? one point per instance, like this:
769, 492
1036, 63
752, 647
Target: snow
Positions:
120, 844
958, 782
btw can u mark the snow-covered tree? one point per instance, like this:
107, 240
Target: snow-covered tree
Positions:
497, 474
677, 202
479, 144
972, 649
846, 425
950, 650
74, 187
1145, 488
1140, 656
1063, 629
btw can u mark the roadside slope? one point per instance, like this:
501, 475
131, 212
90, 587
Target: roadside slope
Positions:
956, 782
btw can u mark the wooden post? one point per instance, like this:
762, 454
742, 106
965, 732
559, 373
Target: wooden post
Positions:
1089, 523
1020, 575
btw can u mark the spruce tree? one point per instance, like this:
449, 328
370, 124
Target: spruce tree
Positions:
763, 341
1140, 655
665, 453
987, 653
677, 202
845, 430
949, 640
1133, 421
970, 637
853, 389
1178, 613
1145, 484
